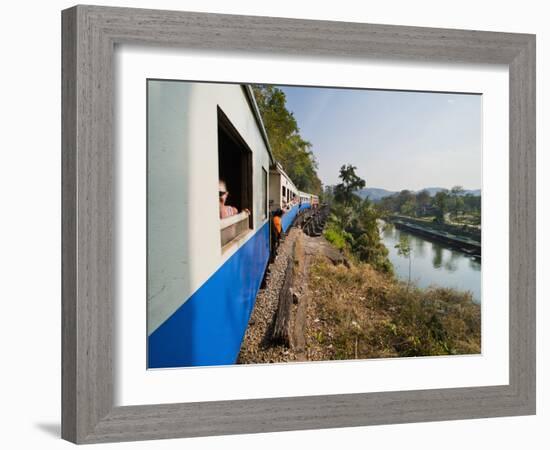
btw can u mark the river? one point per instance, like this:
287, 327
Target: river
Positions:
433, 264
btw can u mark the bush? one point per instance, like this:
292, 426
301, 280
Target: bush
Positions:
335, 236
355, 230
370, 314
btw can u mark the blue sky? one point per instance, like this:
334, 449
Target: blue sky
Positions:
397, 140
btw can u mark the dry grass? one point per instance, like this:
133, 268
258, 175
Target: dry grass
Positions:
362, 313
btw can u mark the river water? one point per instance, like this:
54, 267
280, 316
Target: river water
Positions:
433, 264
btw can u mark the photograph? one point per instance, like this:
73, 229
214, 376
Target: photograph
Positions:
346, 224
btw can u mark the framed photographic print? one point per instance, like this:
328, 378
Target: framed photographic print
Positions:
268, 222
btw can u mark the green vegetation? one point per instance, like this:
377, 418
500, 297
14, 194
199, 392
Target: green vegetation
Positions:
363, 310
336, 236
344, 192
353, 223
289, 148
454, 206
364, 313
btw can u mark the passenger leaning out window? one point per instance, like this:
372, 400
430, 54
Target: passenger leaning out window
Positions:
226, 210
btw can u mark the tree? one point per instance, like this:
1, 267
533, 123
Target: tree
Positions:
458, 205
403, 197
353, 223
423, 200
344, 192
288, 147
404, 249
472, 204
457, 190
408, 208
457, 201
441, 203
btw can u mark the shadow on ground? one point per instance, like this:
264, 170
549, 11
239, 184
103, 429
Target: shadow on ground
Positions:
53, 429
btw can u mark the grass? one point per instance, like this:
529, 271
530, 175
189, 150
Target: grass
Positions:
363, 313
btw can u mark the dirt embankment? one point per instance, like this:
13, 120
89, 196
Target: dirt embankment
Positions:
341, 310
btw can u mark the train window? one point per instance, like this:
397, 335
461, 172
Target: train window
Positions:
284, 192
235, 169
264, 186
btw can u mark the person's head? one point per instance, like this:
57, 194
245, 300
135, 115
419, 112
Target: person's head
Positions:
222, 191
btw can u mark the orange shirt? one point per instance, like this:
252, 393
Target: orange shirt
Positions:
277, 223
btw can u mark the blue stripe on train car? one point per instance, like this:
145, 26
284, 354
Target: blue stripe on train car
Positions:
288, 217
208, 328
304, 206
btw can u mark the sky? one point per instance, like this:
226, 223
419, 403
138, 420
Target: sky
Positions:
397, 140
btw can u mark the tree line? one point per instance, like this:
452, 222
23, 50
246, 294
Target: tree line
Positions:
289, 148
453, 204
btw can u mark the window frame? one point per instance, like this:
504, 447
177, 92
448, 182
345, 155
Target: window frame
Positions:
247, 164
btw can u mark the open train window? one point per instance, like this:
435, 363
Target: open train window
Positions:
235, 169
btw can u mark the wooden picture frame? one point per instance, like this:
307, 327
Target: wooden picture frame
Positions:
89, 36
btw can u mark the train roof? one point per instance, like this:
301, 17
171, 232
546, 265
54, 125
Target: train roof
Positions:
279, 168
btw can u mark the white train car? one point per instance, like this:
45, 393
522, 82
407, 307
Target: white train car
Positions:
284, 195
309, 200
203, 272
305, 199
282, 191
314, 201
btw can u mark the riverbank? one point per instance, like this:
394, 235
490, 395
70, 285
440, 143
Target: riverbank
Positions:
459, 238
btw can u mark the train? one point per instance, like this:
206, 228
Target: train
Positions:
284, 195
205, 140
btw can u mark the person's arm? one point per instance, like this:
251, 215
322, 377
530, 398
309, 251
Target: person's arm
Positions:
227, 211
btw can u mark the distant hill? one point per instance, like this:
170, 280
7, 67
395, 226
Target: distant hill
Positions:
475, 192
433, 190
377, 194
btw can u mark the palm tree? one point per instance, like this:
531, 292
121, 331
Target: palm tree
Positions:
344, 192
